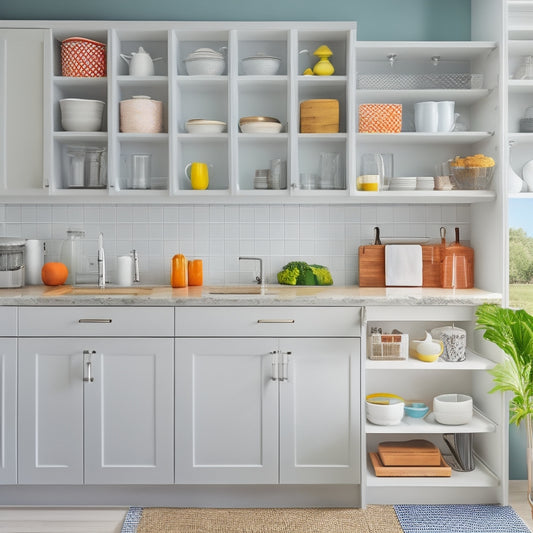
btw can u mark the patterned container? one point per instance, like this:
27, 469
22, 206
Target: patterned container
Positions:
83, 58
380, 118
141, 114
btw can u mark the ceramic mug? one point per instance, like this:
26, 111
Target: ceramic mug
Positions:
198, 174
426, 117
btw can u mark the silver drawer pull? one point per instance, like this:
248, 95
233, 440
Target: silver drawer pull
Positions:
94, 321
275, 321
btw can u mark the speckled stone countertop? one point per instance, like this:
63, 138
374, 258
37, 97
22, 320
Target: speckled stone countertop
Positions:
239, 295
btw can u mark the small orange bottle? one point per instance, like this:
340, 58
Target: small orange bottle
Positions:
178, 271
195, 271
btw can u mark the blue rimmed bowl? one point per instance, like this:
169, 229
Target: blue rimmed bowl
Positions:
416, 409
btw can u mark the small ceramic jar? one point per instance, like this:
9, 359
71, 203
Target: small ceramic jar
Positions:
454, 340
141, 114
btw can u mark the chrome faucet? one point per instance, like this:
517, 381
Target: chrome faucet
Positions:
135, 256
259, 278
101, 262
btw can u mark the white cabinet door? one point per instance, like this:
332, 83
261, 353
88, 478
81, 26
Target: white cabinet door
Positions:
50, 399
21, 107
8, 410
129, 417
226, 411
319, 411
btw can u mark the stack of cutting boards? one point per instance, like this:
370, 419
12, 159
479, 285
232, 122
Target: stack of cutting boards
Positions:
412, 458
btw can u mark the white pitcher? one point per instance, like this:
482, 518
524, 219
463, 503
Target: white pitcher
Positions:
140, 62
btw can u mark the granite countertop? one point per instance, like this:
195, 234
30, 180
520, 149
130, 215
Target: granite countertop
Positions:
243, 295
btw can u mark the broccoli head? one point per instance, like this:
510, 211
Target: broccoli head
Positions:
300, 273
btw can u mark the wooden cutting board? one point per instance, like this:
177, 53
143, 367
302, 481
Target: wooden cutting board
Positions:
443, 470
372, 265
416, 452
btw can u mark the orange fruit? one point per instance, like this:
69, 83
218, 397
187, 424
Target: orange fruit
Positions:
54, 273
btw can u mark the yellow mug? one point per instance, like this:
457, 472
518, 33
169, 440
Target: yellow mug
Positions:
198, 174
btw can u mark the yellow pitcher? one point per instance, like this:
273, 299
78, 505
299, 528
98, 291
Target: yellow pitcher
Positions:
198, 174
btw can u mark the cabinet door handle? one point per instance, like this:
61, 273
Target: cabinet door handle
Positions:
94, 321
275, 320
275, 365
285, 366
87, 359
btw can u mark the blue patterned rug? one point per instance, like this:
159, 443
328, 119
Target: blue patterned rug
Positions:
133, 517
459, 519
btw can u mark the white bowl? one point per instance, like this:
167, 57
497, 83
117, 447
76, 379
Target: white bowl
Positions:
210, 66
453, 409
78, 114
261, 127
261, 65
382, 414
205, 127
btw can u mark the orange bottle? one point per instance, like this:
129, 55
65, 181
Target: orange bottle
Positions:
178, 271
195, 271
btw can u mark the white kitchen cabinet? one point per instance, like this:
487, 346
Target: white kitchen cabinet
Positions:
94, 410
8, 408
22, 68
418, 381
280, 410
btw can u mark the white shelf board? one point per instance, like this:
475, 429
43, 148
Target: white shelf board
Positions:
449, 50
310, 137
454, 137
521, 195
428, 424
427, 197
195, 137
261, 81
263, 137
481, 476
520, 138
473, 362
408, 96
81, 136
143, 137
148, 81
321, 81
80, 81
520, 47
520, 86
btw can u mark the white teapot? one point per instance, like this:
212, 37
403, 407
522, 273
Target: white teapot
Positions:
140, 62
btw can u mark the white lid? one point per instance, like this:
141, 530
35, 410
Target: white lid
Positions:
11, 241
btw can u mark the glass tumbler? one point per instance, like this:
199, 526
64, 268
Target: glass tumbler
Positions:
370, 172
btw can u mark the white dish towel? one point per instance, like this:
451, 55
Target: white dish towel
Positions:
403, 265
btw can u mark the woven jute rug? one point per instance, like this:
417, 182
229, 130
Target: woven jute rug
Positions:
373, 519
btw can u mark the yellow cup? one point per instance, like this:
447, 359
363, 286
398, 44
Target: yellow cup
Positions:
198, 174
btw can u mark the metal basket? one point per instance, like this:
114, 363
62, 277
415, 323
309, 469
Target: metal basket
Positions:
419, 81
389, 347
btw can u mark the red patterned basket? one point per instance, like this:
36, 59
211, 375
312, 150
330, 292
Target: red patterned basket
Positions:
83, 58
380, 118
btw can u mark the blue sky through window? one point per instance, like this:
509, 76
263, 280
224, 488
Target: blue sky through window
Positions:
521, 215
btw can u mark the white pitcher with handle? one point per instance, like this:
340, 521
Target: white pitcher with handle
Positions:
140, 62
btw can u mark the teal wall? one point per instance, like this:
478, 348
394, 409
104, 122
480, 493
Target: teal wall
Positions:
387, 20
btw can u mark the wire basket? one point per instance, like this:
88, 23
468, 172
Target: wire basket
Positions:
420, 81
389, 347
83, 58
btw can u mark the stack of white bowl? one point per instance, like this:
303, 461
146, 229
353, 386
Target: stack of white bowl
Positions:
79, 114
262, 178
403, 184
425, 183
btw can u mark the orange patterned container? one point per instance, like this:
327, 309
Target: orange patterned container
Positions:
83, 58
380, 118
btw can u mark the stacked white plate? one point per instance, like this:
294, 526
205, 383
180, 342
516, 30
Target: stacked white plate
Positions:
261, 179
425, 183
403, 184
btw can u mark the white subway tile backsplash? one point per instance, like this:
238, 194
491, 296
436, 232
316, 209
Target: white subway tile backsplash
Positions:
324, 234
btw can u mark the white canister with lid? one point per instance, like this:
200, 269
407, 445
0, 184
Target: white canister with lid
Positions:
454, 340
141, 114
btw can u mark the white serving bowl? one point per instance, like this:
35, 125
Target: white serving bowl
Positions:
385, 414
453, 409
79, 114
205, 127
200, 66
261, 127
261, 65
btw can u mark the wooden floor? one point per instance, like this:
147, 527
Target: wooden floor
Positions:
109, 520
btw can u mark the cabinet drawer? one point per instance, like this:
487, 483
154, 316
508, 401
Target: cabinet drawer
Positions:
96, 322
8, 321
268, 322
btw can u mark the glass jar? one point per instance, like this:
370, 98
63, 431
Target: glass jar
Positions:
71, 253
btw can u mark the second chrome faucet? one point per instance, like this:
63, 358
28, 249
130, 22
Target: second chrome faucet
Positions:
259, 279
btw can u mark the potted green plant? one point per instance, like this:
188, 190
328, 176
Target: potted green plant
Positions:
512, 331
